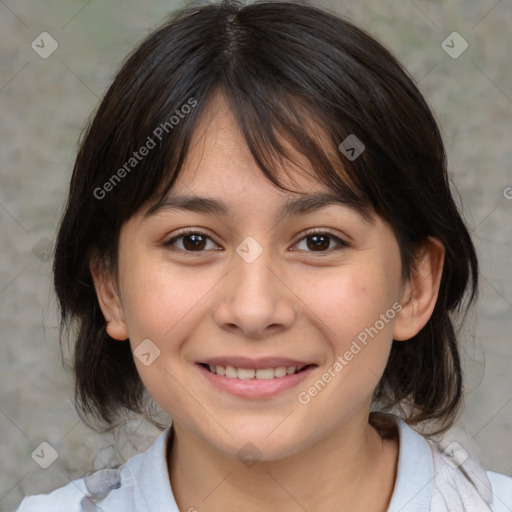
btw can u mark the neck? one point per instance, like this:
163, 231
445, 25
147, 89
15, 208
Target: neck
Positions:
353, 466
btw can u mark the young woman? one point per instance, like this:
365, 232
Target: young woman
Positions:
260, 237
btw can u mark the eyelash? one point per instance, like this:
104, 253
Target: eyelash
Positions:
341, 243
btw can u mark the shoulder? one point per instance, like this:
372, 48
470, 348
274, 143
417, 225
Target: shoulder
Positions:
501, 491
441, 476
141, 483
79, 495
64, 499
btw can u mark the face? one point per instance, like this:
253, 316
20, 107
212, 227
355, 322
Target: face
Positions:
298, 309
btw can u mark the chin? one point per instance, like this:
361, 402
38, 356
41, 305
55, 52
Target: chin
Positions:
251, 443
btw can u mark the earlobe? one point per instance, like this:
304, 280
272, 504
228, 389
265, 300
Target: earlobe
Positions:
108, 300
420, 293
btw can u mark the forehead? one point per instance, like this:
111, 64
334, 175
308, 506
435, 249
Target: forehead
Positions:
220, 174
219, 156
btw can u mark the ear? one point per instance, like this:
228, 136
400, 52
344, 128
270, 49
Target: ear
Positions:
109, 300
420, 292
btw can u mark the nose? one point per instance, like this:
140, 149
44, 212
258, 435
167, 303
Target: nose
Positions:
255, 300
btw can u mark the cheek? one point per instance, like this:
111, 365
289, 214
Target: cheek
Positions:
354, 309
164, 305
350, 299
160, 300
356, 315
367, 310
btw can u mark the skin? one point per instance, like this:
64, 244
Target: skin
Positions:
292, 301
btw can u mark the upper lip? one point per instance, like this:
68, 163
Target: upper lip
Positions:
247, 362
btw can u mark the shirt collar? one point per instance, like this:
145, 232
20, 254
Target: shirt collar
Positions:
152, 486
412, 491
415, 472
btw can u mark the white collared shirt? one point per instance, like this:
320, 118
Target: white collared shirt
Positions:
426, 482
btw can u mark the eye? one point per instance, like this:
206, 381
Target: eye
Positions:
196, 241
192, 241
320, 241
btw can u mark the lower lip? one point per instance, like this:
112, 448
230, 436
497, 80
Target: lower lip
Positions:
255, 388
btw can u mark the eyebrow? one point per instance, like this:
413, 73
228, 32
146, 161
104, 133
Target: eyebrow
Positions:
292, 208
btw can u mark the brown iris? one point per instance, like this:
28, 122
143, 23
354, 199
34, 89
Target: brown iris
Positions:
197, 242
319, 242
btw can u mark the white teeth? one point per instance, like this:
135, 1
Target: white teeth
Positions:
265, 373
246, 373
250, 373
231, 372
281, 371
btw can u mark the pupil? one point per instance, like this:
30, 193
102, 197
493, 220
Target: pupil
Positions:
197, 242
319, 242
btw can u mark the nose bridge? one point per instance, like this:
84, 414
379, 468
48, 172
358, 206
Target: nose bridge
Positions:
253, 270
254, 297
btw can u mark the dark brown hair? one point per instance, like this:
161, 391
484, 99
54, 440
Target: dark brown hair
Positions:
282, 66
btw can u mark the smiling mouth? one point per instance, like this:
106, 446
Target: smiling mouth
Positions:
232, 372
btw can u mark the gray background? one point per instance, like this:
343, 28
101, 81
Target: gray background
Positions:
44, 105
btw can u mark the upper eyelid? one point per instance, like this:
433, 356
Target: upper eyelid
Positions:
181, 234
178, 236
313, 231
342, 242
